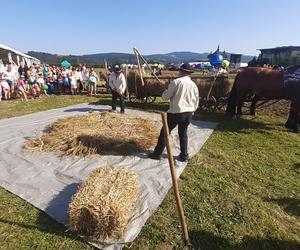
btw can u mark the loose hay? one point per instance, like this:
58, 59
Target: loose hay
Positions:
104, 204
96, 133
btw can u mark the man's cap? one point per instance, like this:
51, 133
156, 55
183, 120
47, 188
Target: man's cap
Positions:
117, 69
186, 67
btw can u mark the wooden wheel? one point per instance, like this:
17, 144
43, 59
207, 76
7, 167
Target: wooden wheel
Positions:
221, 103
133, 98
150, 99
209, 105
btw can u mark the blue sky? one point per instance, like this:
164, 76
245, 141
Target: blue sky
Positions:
91, 26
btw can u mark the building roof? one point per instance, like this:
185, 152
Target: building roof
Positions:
279, 49
2, 46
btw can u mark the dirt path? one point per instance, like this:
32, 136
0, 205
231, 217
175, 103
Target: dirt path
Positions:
280, 108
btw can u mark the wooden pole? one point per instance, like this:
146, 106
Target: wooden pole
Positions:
126, 78
174, 179
105, 63
138, 52
211, 86
139, 66
106, 70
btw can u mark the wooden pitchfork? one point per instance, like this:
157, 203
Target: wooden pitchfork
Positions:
187, 243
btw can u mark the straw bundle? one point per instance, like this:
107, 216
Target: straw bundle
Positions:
221, 87
97, 133
104, 204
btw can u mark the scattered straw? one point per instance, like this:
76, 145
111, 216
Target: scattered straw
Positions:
104, 204
97, 133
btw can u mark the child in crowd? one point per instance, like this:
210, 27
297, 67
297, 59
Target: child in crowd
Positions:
93, 82
5, 87
66, 85
60, 83
34, 87
79, 80
42, 85
27, 89
86, 76
45, 88
21, 88
73, 82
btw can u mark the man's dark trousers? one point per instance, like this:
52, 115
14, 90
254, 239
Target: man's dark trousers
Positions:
115, 96
182, 120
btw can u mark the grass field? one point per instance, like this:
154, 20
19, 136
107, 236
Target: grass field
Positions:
241, 191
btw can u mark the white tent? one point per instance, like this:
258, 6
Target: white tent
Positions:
14, 56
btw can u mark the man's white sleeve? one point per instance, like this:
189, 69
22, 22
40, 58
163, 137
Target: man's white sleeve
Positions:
123, 85
169, 92
197, 99
110, 82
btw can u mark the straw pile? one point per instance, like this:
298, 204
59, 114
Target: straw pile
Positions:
96, 133
221, 87
104, 204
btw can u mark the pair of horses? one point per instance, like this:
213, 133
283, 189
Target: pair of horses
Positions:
268, 84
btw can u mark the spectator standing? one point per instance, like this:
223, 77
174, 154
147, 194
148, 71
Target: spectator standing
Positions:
23, 70
93, 78
73, 82
79, 80
11, 78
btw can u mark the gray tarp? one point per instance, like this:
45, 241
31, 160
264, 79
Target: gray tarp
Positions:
48, 182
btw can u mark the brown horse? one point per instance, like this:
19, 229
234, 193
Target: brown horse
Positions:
267, 84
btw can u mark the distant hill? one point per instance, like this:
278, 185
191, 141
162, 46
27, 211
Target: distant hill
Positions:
119, 58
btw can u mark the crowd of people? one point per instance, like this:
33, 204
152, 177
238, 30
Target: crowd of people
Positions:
38, 80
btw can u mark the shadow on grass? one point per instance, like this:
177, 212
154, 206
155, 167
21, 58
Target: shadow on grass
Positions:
206, 240
290, 205
225, 123
59, 205
58, 209
297, 166
45, 224
84, 110
156, 106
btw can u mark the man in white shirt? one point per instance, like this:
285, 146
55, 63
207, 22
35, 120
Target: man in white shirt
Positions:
11, 76
117, 83
184, 99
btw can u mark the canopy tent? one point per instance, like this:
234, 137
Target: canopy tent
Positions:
65, 64
14, 56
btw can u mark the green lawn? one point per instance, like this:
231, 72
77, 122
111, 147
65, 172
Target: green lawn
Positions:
18, 107
241, 191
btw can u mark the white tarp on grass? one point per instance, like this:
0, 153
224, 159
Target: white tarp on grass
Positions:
48, 182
